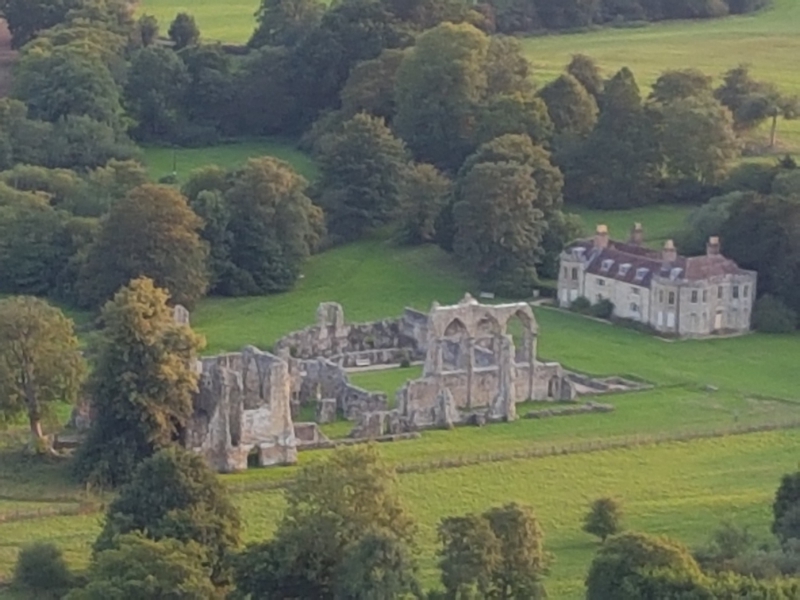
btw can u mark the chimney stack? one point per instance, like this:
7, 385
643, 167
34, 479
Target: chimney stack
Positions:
637, 235
601, 237
712, 247
669, 254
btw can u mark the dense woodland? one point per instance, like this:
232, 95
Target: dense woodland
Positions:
420, 119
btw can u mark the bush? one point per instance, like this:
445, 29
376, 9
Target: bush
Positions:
602, 310
770, 315
604, 518
41, 570
581, 305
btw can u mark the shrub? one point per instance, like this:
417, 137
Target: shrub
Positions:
405, 359
770, 315
602, 310
41, 570
581, 304
604, 518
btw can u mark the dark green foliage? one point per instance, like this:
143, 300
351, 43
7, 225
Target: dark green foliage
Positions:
183, 31
681, 84
512, 16
154, 94
786, 508
770, 315
175, 495
285, 22
377, 567
424, 193
273, 227
727, 544
706, 221
499, 554
618, 165
581, 304
751, 177
42, 571
137, 568
334, 507
571, 108
349, 33
370, 86
28, 17
763, 234
585, 70
363, 168
148, 29
629, 565
151, 232
80, 142
67, 81
605, 515
209, 90
786, 183
264, 102
142, 384
515, 113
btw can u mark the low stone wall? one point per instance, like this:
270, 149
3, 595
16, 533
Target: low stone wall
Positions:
565, 411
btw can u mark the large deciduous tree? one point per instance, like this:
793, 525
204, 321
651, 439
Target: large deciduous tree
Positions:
423, 195
26, 18
142, 384
137, 568
499, 554
363, 166
572, 109
174, 494
153, 233
439, 84
370, 86
337, 509
604, 518
183, 31
40, 363
585, 70
285, 22
273, 227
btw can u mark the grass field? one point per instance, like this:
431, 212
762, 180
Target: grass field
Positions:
160, 160
232, 21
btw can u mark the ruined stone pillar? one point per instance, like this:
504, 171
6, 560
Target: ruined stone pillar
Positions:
530, 342
469, 343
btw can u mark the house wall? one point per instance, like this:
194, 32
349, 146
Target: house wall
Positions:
570, 288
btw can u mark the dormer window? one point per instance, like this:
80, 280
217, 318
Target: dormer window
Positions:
605, 267
641, 273
675, 273
624, 268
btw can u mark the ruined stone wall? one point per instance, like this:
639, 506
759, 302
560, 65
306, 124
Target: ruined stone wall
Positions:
243, 405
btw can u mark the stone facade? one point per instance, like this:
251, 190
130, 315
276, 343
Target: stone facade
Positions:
473, 365
673, 294
243, 407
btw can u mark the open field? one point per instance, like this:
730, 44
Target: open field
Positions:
159, 160
660, 222
232, 21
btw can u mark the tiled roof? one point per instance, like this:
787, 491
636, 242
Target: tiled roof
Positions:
704, 267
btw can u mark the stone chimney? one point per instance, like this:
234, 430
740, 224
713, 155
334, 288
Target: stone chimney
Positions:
637, 235
712, 247
669, 253
601, 237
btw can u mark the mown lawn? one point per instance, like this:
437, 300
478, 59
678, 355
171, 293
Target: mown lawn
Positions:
232, 21
160, 160
660, 222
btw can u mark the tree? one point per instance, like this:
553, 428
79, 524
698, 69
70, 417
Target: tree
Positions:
362, 170
705, 221
154, 94
148, 29
138, 568
151, 232
67, 81
210, 90
333, 507
26, 18
264, 103
285, 22
697, 139
603, 519
82, 143
499, 554
40, 363
786, 508
273, 227
586, 71
621, 568
752, 102
770, 315
681, 84
142, 385
377, 567
618, 165
183, 31
174, 495
42, 572
508, 72
370, 86
439, 83
423, 195
513, 113
498, 230
571, 108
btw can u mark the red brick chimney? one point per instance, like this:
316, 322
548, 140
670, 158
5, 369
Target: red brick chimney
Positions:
712, 247
669, 253
601, 237
637, 235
